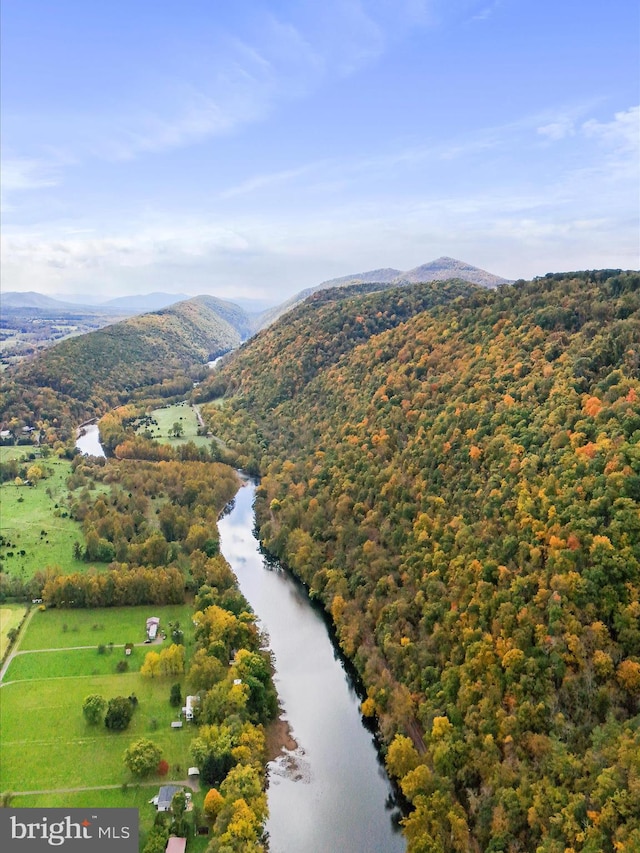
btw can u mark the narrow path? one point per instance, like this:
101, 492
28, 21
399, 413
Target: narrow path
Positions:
198, 415
158, 783
16, 651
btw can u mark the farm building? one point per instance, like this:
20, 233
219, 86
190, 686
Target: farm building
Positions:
162, 800
189, 707
153, 623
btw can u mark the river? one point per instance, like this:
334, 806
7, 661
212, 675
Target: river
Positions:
331, 794
88, 441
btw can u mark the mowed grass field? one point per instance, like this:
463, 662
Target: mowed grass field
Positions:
32, 522
183, 414
12, 451
66, 663
47, 745
64, 629
10, 617
46, 742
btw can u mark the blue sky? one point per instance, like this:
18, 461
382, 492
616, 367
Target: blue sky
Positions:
253, 149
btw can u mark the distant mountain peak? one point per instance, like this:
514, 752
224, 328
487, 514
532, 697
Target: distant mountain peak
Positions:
446, 267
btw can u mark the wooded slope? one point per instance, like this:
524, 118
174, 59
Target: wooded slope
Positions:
159, 352
461, 491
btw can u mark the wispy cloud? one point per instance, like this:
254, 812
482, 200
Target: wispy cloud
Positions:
487, 11
556, 130
272, 179
276, 58
19, 175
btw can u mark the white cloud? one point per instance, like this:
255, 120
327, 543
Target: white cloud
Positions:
558, 129
269, 180
621, 134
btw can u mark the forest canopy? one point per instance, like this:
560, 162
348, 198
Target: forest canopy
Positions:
460, 490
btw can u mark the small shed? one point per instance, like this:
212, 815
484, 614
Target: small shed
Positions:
193, 772
176, 724
176, 844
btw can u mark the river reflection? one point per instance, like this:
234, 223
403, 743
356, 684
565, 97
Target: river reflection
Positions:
331, 794
88, 441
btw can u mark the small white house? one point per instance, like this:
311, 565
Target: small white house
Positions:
189, 707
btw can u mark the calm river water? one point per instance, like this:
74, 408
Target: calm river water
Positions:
88, 443
331, 794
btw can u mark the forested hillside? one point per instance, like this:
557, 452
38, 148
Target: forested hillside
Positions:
461, 492
280, 361
157, 354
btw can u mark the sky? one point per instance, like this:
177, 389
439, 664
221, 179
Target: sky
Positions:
253, 149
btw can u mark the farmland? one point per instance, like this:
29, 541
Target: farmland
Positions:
10, 617
35, 525
64, 629
47, 743
165, 418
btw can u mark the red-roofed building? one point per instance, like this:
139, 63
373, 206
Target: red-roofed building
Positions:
176, 845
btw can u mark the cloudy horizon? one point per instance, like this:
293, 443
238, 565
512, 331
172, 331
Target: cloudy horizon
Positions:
265, 148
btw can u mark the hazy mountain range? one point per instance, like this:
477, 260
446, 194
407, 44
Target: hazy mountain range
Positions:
441, 268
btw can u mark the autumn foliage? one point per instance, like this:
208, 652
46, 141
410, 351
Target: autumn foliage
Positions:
460, 491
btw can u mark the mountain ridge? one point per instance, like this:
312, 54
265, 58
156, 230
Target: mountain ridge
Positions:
441, 269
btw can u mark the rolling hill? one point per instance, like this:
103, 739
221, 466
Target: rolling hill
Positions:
159, 353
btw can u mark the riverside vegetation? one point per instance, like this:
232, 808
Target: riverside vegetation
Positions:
460, 491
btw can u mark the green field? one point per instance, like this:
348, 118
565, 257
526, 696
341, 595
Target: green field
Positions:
33, 522
46, 743
12, 451
64, 629
66, 663
10, 617
181, 413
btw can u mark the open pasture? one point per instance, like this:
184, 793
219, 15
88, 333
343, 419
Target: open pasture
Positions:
66, 663
181, 413
47, 744
16, 451
35, 527
64, 629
